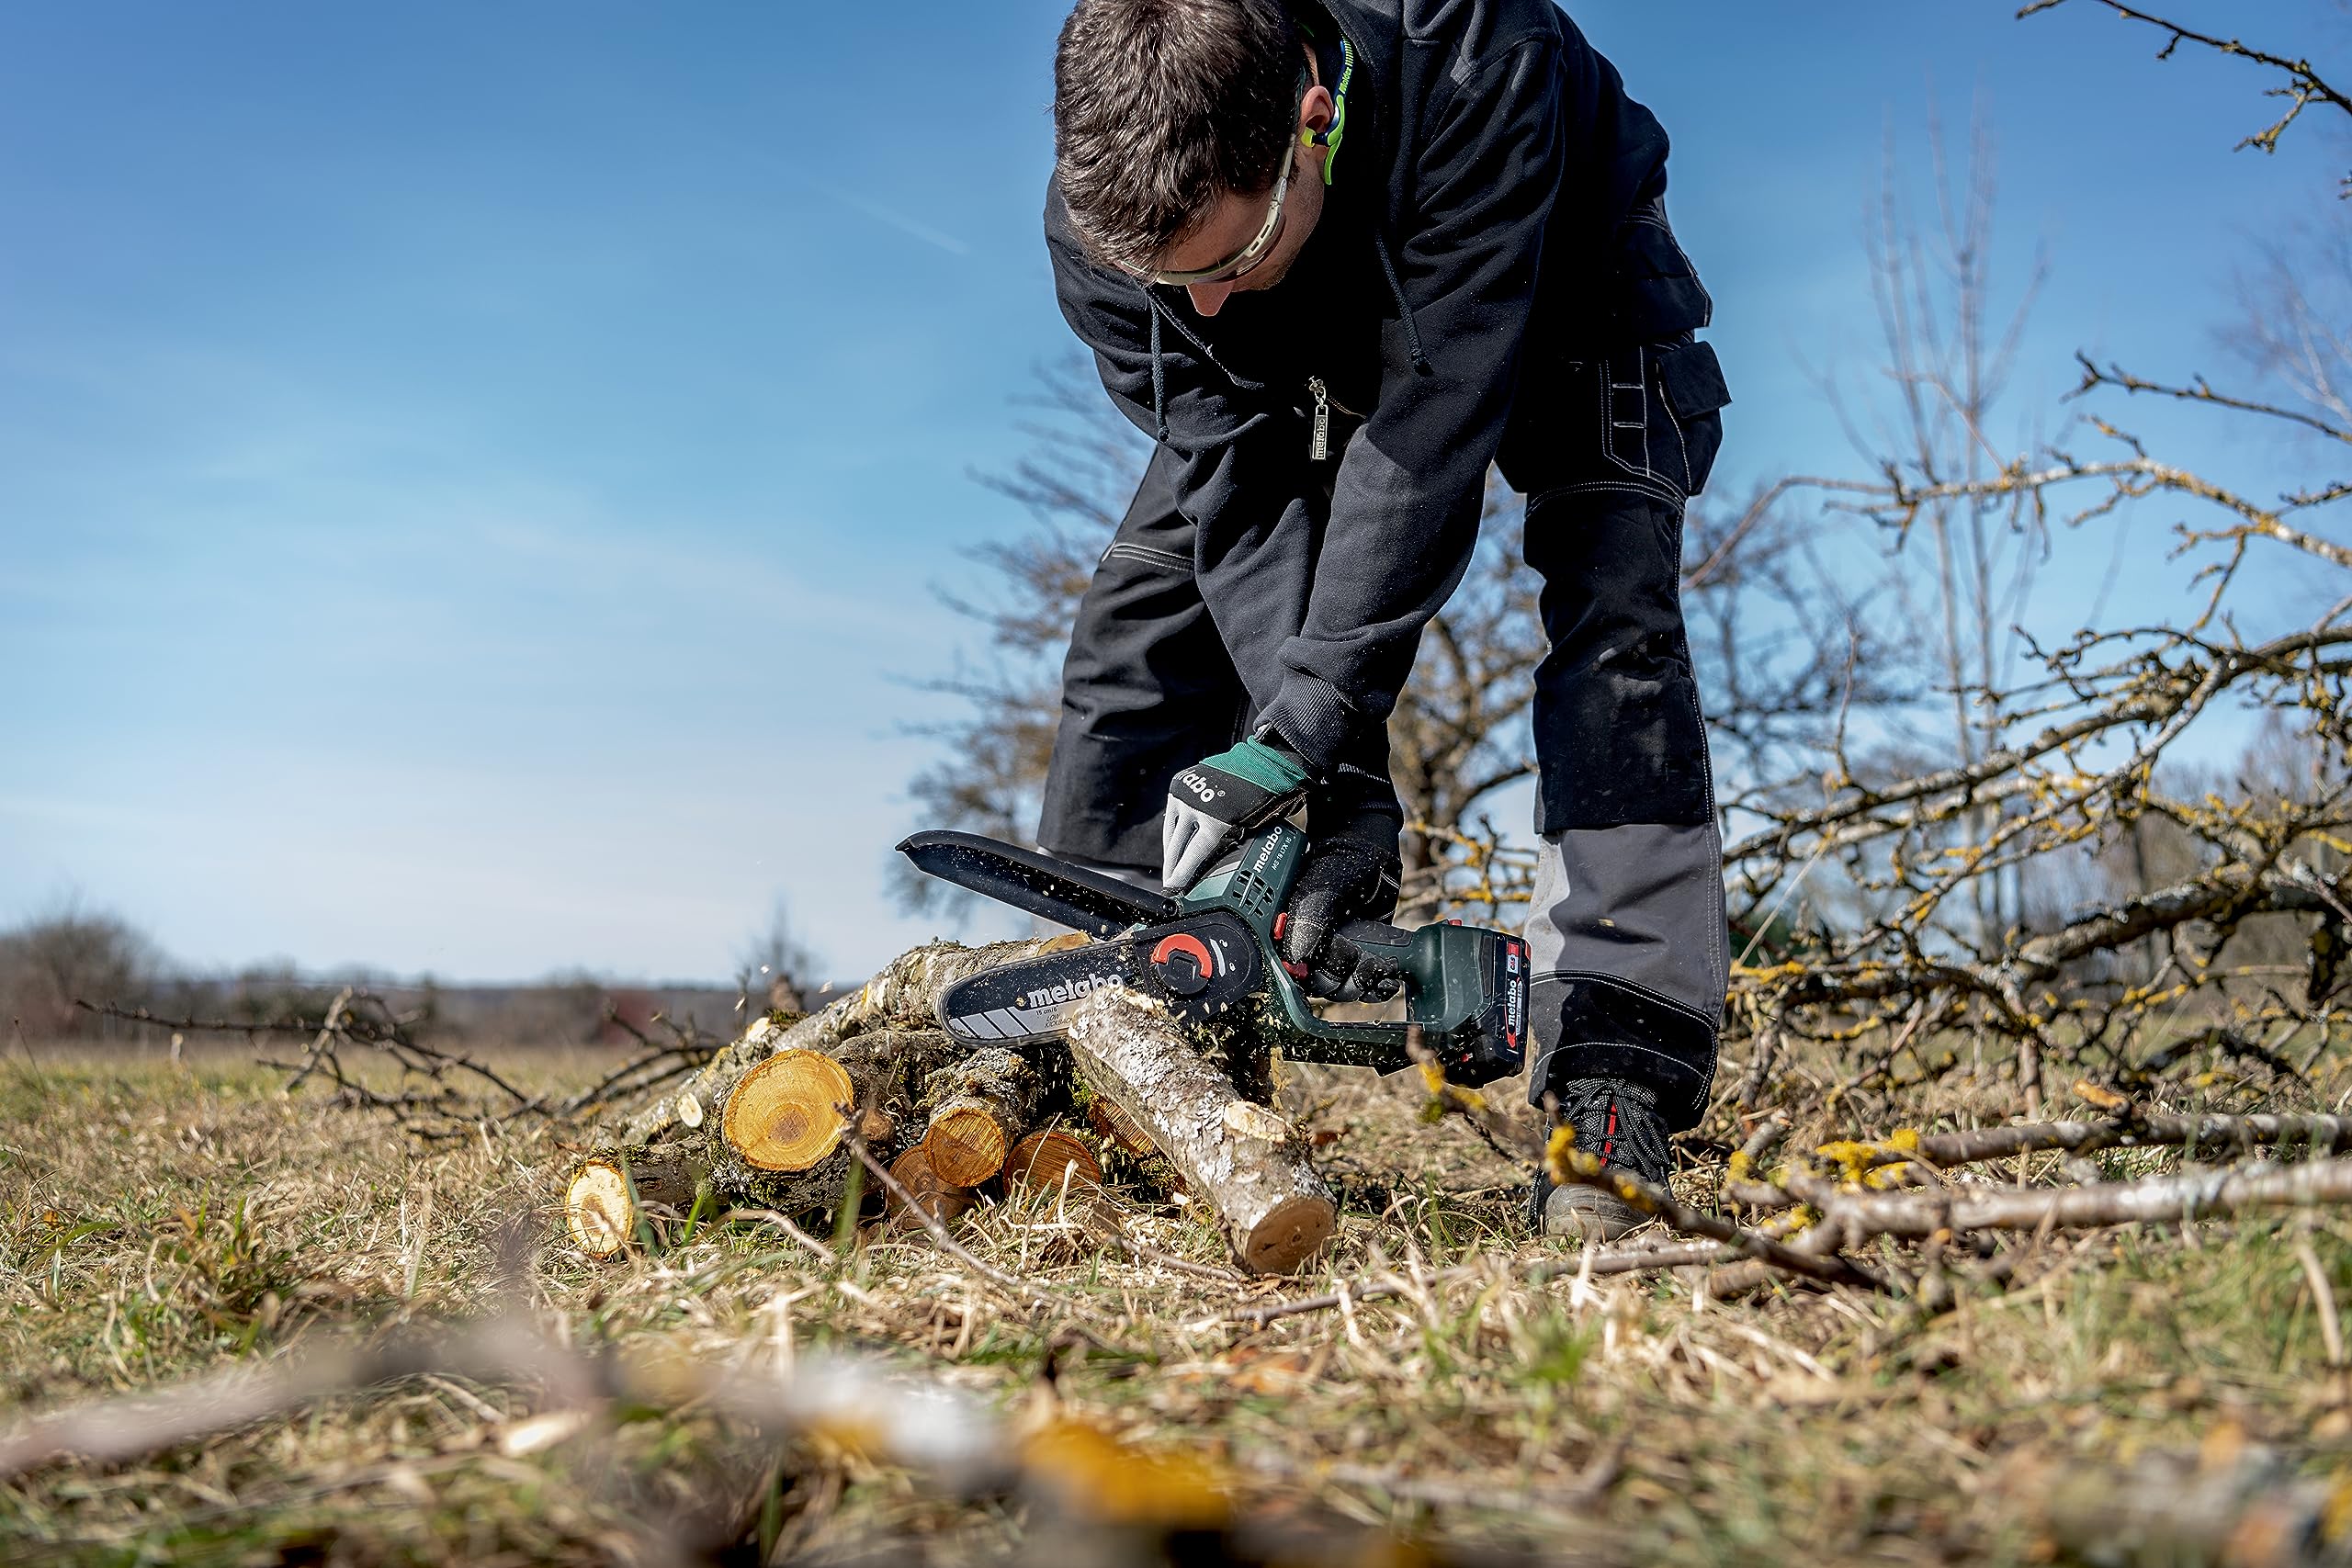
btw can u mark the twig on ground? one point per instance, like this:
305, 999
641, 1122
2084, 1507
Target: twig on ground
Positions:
2131, 1130
1021, 1290
2191, 1195
782, 1223
1568, 1164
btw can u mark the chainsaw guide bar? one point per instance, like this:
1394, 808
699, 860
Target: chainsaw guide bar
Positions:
1199, 968
1212, 957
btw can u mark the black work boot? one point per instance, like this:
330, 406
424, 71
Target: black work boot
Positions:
1618, 1122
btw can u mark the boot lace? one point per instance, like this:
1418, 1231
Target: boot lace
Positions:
1619, 1122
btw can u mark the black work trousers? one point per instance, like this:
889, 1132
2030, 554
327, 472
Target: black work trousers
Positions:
1626, 925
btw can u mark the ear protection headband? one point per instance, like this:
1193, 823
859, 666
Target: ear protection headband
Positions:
1330, 136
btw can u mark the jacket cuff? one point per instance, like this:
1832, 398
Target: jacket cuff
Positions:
1309, 715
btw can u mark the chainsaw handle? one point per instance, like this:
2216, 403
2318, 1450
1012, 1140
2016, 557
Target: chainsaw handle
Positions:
1391, 943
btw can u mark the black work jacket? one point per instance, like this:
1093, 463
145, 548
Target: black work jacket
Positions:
1496, 198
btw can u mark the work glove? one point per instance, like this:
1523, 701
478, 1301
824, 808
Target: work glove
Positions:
1217, 802
1351, 873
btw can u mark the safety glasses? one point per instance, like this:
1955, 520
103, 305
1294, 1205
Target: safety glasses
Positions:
1248, 255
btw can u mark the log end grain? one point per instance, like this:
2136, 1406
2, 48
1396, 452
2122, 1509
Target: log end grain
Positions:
598, 1209
979, 1107
1119, 1127
787, 1112
1038, 1163
966, 1144
940, 1200
1287, 1234
617, 1199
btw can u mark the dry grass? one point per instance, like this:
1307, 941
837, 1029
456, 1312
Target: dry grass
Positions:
160, 1219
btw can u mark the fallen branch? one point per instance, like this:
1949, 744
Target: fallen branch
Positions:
1568, 1164
364, 1020
2191, 1195
2139, 1129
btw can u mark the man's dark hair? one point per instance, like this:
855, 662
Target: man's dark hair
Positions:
1160, 106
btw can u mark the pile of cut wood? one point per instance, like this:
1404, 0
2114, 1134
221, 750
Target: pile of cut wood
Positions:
776, 1120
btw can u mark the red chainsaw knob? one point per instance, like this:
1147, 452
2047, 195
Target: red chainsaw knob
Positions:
1185, 965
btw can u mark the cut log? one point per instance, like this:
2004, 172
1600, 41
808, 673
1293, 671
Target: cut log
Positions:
901, 997
772, 1135
1119, 1127
789, 1111
1244, 1160
940, 1201
979, 1107
782, 1141
1038, 1163
611, 1194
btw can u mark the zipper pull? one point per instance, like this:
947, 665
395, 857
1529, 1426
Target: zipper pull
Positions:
1319, 447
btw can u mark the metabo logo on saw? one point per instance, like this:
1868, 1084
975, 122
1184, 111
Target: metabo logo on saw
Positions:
1210, 957
1070, 990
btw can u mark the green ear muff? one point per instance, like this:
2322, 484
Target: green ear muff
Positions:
1328, 137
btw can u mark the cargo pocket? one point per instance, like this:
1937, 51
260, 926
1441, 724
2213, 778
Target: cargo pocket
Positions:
1691, 384
1659, 297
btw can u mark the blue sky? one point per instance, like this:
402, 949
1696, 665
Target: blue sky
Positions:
471, 478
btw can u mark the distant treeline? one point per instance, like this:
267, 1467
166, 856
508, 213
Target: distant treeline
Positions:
48, 965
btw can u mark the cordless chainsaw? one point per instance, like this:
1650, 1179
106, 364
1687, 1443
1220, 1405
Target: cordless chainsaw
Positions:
1211, 957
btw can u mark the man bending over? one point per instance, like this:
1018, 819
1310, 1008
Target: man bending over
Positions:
1337, 258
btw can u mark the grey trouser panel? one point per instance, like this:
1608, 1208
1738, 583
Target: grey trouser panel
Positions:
1626, 943
1626, 925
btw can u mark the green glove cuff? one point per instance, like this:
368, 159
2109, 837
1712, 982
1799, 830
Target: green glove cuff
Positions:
1254, 762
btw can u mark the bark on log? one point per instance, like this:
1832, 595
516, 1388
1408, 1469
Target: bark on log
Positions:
901, 997
890, 1067
1244, 1160
610, 1193
1038, 1162
979, 1108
